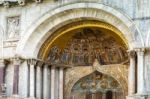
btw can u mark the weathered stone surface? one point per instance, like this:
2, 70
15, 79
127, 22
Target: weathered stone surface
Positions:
25, 26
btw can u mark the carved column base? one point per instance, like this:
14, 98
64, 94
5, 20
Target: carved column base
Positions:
13, 97
139, 96
2, 97
31, 98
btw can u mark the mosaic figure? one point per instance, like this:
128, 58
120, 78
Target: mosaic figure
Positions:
86, 46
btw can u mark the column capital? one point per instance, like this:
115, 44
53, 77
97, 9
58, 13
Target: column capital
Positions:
16, 60
140, 51
31, 61
131, 53
40, 63
2, 63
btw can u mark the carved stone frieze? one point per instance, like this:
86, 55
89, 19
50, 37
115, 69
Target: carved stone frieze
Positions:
7, 3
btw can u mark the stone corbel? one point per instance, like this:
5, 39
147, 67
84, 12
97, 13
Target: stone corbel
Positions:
21, 2
6, 4
38, 1
131, 53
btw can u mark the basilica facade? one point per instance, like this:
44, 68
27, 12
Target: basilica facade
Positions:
74, 49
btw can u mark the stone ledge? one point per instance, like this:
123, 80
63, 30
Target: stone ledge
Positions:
139, 96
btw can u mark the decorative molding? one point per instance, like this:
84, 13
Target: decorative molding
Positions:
7, 3
140, 51
16, 60
10, 43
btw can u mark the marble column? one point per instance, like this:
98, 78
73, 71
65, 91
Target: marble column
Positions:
53, 82
2, 74
104, 96
16, 63
131, 73
113, 95
140, 72
61, 82
45, 82
32, 64
39, 80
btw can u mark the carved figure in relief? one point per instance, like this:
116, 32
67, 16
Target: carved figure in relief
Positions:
13, 24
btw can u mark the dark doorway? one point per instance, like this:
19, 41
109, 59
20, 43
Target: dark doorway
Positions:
109, 95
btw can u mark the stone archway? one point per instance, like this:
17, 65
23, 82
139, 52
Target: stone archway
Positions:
45, 27
118, 72
56, 18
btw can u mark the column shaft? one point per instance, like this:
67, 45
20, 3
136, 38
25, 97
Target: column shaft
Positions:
104, 96
114, 95
140, 56
2, 71
131, 74
16, 63
38, 82
52, 82
32, 63
45, 82
61, 82
32, 82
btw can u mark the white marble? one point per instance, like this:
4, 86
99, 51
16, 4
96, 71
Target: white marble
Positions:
23, 80
45, 83
53, 82
131, 17
140, 73
32, 81
131, 74
61, 82
38, 82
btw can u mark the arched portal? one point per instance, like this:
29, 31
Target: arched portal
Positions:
74, 35
77, 45
97, 86
56, 18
